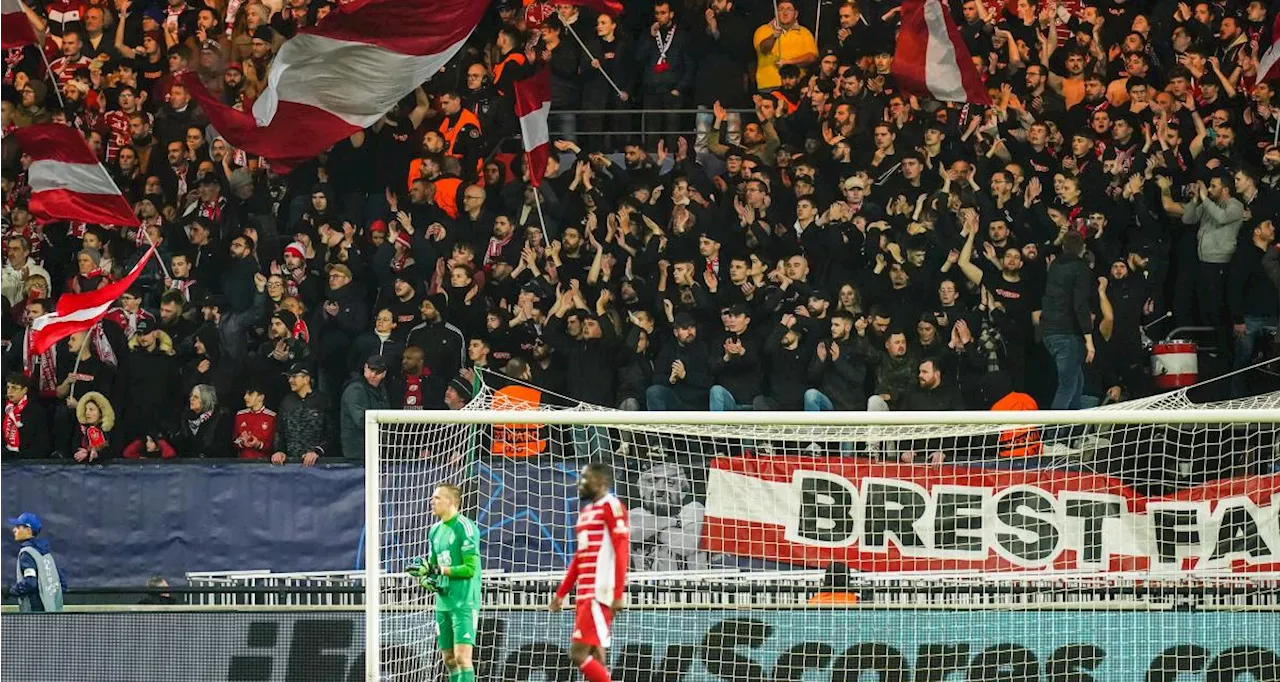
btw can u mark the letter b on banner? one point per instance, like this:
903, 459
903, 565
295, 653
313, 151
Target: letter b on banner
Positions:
828, 509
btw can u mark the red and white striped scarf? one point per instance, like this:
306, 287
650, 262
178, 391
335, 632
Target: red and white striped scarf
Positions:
13, 423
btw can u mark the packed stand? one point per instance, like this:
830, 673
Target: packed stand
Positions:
812, 238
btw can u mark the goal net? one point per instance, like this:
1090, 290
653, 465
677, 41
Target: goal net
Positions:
1135, 542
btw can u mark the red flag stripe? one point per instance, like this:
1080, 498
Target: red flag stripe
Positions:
55, 142
62, 204
610, 7
15, 29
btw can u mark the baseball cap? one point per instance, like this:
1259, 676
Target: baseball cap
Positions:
853, 182
684, 321
299, 368
29, 520
377, 363
739, 309
144, 326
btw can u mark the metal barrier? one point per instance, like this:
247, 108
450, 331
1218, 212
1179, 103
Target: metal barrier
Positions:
646, 119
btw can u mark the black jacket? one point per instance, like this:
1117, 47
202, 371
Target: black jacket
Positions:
1249, 290
33, 435
1068, 288
742, 375
843, 380
694, 390
590, 364
443, 353
788, 370
212, 438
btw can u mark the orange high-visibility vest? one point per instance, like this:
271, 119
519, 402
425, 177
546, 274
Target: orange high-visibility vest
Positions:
451, 133
1023, 441
447, 194
517, 440
513, 56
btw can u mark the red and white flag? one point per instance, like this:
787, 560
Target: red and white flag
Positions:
611, 7
337, 78
15, 27
533, 106
931, 59
67, 182
79, 312
1269, 64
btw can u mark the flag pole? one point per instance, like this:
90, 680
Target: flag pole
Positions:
48, 69
817, 20
537, 199
598, 68
75, 369
159, 260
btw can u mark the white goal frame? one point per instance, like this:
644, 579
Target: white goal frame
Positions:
1010, 419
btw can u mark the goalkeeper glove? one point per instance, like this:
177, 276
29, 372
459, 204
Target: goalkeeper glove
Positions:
418, 568
430, 583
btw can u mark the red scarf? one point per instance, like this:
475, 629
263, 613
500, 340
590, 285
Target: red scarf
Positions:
212, 211
492, 253
301, 331
47, 381
13, 423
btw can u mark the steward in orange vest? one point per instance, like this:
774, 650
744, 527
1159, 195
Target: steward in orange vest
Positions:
461, 131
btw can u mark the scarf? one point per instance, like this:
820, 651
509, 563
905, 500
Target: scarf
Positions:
13, 423
301, 331
183, 286
495, 248
92, 437
102, 347
47, 381
193, 425
400, 262
663, 45
140, 237
211, 211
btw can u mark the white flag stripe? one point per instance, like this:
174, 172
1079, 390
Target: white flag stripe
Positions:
319, 71
747, 498
1270, 58
81, 178
941, 74
85, 315
533, 127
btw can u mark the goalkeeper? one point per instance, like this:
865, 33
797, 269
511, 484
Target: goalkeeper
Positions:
452, 572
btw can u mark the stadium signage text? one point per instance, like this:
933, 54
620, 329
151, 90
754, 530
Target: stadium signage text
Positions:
878, 517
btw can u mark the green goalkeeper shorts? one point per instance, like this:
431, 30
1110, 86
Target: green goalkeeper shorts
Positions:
456, 627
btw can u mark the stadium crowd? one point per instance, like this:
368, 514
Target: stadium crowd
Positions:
812, 238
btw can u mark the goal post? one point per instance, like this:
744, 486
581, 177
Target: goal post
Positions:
822, 545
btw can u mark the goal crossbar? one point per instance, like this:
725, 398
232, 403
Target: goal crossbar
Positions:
748, 418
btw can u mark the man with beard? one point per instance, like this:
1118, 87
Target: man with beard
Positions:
282, 348
233, 82
666, 523
1011, 295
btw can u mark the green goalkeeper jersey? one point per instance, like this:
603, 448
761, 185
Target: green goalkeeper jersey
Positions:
456, 543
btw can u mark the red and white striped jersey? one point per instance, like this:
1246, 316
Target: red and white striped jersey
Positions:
599, 566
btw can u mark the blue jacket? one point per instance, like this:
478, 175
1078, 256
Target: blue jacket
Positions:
29, 585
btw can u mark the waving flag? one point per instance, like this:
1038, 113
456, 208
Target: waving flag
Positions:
15, 28
931, 59
79, 312
1269, 64
339, 77
611, 7
533, 106
67, 182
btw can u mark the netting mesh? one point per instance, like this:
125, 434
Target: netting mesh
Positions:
981, 540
